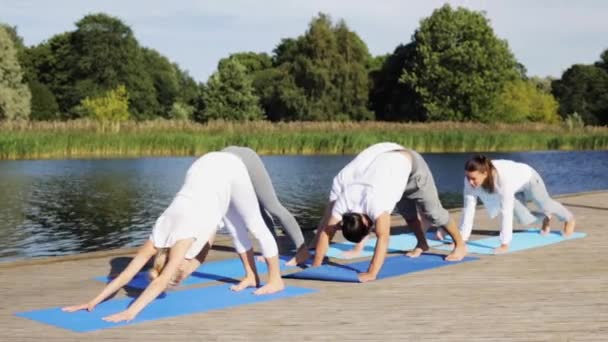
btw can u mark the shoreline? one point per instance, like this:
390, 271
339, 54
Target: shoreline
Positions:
219, 241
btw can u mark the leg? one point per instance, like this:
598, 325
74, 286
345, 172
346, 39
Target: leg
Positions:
429, 206
549, 206
245, 209
244, 248
407, 208
264, 190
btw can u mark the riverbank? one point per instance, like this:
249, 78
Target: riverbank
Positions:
541, 294
88, 139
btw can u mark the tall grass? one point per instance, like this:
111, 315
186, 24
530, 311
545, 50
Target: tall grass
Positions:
75, 139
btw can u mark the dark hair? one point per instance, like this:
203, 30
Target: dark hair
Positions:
353, 228
482, 163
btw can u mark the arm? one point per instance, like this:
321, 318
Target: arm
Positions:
325, 232
468, 214
176, 255
383, 227
141, 258
506, 227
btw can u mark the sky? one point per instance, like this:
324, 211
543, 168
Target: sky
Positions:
547, 36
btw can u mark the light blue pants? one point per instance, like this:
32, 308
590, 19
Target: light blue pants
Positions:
537, 193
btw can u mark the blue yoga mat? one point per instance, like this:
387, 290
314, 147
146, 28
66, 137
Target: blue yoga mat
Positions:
397, 243
393, 266
208, 271
175, 303
521, 241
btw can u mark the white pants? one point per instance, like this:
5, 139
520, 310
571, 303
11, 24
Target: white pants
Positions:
244, 215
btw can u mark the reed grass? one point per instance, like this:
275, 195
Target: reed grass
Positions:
86, 139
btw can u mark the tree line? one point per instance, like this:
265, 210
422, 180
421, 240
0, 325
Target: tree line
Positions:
454, 68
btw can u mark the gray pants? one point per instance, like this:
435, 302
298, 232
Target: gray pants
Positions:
267, 198
537, 193
421, 195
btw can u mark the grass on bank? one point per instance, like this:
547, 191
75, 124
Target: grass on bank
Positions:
85, 138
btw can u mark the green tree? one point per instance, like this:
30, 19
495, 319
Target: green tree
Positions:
106, 54
229, 94
459, 66
44, 104
164, 77
583, 89
521, 101
391, 99
321, 75
14, 93
111, 107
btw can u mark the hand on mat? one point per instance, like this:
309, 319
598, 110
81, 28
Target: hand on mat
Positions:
86, 306
546, 228
124, 316
364, 277
502, 249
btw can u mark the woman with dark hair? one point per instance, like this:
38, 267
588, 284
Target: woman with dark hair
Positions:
497, 183
365, 192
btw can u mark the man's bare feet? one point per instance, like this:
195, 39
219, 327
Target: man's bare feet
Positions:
546, 228
457, 254
248, 281
502, 249
569, 228
417, 251
302, 255
273, 286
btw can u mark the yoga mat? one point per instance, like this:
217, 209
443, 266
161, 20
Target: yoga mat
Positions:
208, 271
528, 239
175, 303
393, 266
397, 243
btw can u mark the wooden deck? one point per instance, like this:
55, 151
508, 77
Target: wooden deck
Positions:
553, 293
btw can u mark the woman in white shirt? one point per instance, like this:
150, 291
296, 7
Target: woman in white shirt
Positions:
496, 183
217, 187
365, 192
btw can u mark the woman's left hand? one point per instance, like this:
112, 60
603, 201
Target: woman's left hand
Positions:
125, 316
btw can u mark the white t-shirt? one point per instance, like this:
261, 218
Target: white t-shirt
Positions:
198, 208
511, 177
372, 183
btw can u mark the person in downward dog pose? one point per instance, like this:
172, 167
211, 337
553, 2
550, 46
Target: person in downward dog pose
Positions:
217, 186
500, 184
365, 192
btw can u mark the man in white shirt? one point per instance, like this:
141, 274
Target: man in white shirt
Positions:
366, 191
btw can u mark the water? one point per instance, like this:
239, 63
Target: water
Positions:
58, 207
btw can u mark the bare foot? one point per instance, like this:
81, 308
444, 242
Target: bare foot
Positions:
260, 258
568, 228
457, 254
302, 255
546, 228
502, 249
417, 251
246, 282
272, 287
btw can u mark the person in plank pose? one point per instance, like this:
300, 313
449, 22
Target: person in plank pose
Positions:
497, 183
365, 192
217, 186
